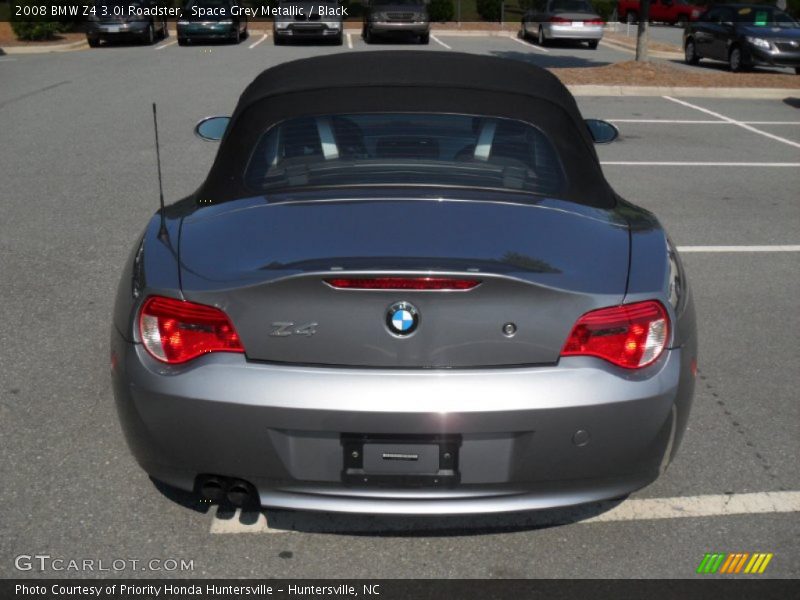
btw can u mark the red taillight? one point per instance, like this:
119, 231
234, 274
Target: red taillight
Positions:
595, 22
630, 336
174, 331
402, 283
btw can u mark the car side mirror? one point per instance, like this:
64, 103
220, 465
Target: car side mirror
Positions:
212, 128
602, 132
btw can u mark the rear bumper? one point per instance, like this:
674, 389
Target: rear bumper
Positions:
279, 427
570, 32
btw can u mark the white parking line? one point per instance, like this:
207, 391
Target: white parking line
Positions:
776, 248
700, 122
645, 509
162, 46
718, 505
7, 59
440, 42
260, 40
644, 163
531, 46
350, 41
734, 122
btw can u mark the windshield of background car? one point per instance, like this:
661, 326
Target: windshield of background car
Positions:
766, 16
571, 5
408, 149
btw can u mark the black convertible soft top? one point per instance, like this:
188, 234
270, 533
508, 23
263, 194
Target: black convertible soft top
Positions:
411, 81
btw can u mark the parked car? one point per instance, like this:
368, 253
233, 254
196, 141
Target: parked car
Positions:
312, 20
405, 286
112, 21
398, 18
204, 20
744, 35
674, 12
574, 20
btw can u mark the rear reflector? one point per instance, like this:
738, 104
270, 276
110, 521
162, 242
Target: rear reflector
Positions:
630, 336
174, 331
402, 283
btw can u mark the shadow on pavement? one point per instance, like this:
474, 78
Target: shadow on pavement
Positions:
417, 526
550, 61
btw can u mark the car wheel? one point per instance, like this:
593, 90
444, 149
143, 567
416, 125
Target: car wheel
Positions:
632, 16
735, 60
237, 36
425, 38
277, 40
182, 41
150, 36
339, 39
593, 44
245, 33
540, 38
93, 42
690, 53
368, 37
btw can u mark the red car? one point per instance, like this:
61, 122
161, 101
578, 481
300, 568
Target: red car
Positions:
673, 12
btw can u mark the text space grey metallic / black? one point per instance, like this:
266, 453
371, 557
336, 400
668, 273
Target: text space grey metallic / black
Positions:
404, 287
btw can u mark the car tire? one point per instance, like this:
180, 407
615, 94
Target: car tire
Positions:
368, 37
541, 39
425, 38
278, 41
245, 33
150, 35
339, 39
182, 41
735, 60
93, 42
593, 44
237, 36
690, 55
632, 17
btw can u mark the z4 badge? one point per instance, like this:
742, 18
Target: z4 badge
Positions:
287, 328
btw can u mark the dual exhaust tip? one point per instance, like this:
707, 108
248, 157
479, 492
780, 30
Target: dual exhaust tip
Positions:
225, 490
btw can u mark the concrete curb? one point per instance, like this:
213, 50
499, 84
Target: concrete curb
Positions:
686, 92
44, 49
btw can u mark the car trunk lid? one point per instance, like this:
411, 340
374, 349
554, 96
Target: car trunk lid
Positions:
268, 266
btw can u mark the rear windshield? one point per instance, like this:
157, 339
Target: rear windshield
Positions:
405, 149
764, 16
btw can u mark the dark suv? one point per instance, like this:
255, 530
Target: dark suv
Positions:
396, 17
744, 35
124, 20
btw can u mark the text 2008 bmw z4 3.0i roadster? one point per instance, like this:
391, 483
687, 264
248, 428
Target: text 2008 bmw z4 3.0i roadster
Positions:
405, 287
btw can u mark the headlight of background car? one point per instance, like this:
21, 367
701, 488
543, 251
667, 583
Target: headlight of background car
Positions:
420, 17
279, 24
378, 16
332, 24
759, 42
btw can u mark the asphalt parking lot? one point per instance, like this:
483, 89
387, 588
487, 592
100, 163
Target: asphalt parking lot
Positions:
78, 185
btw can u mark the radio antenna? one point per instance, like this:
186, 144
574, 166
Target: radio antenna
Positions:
162, 232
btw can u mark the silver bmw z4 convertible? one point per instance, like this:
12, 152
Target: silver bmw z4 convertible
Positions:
404, 287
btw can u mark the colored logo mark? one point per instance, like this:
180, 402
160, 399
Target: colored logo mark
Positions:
734, 563
402, 318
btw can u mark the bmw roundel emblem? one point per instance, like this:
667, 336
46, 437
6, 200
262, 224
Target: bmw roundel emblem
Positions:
402, 318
